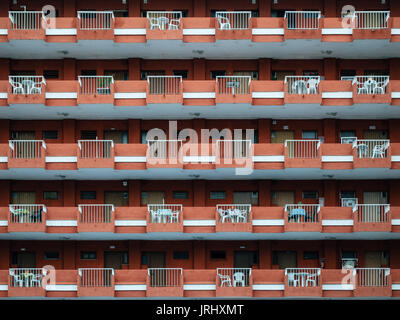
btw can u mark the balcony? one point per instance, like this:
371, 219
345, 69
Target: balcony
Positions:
302, 24
303, 88
164, 25
369, 151
234, 282
95, 154
371, 88
164, 153
303, 218
235, 154
26, 89
27, 218
26, 154
372, 218
372, 281
305, 153
164, 282
304, 282
26, 282
233, 218
95, 25
95, 89
96, 282
164, 218
164, 89
96, 218
233, 25
233, 89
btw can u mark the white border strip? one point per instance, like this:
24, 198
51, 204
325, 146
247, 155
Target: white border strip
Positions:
339, 287
268, 95
3, 32
268, 287
199, 223
337, 159
199, 32
62, 287
61, 223
130, 287
3, 95
268, 158
61, 95
199, 95
130, 223
337, 95
199, 287
333, 31
3, 223
130, 32
61, 32
130, 95
61, 159
331, 223
268, 31
268, 222
130, 159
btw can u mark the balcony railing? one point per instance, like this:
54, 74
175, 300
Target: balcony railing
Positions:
305, 149
95, 20
369, 148
233, 85
163, 149
377, 213
233, 20
302, 84
371, 84
303, 277
27, 213
164, 20
26, 277
303, 213
165, 277
233, 149
233, 277
164, 213
165, 85
302, 20
236, 213
95, 85
95, 149
372, 277
26, 20
26, 149
27, 84
371, 20
95, 213
95, 277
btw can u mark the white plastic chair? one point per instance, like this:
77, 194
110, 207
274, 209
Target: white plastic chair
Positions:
380, 87
174, 216
174, 24
299, 87
36, 88
154, 23
17, 87
368, 87
238, 278
379, 150
224, 23
292, 279
17, 279
225, 279
36, 279
155, 216
312, 85
223, 215
311, 278
241, 216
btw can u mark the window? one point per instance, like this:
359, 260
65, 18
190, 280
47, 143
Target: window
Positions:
347, 74
144, 258
88, 195
183, 73
50, 195
181, 255
51, 255
143, 136
310, 194
125, 257
217, 255
88, 255
88, 135
347, 194
347, 134
277, 13
50, 135
118, 75
217, 195
50, 74
180, 195
309, 135
215, 74
312, 73
349, 254
308, 255
88, 72
144, 74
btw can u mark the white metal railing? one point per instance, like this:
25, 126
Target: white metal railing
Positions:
164, 213
163, 149
303, 213
95, 213
95, 20
164, 20
302, 84
371, 84
26, 20
95, 149
27, 213
26, 149
303, 277
234, 212
27, 84
232, 85
165, 85
165, 277
99, 85
305, 148
302, 20
233, 149
373, 212
26, 277
95, 277
370, 148
347, 140
372, 277
233, 277
233, 20
370, 20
